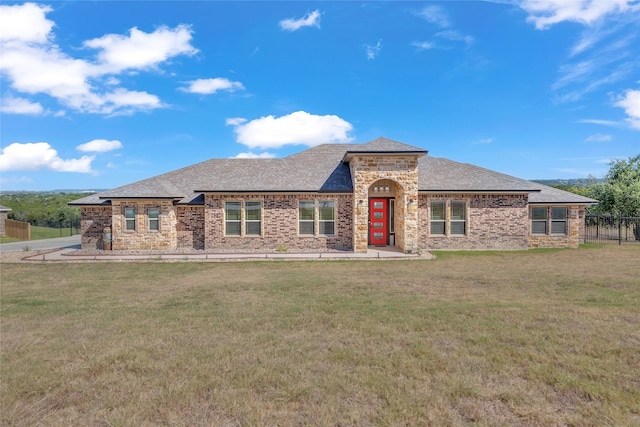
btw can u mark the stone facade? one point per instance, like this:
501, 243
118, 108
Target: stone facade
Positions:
573, 238
366, 170
93, 222
3, 218
493, 221
279, 224
142, 238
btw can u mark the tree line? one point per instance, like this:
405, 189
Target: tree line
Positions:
45, 209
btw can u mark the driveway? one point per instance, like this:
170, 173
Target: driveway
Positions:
72, 242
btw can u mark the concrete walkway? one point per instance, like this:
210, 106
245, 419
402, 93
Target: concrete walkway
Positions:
73, 255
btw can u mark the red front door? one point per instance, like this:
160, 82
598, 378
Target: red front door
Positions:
378, 221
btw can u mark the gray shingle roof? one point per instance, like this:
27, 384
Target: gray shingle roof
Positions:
4, 209
319, 169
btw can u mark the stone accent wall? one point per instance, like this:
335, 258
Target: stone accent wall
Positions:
494, 221
93, 221
143, 238
3, 218
573, 238
279, 224
190, 227
403, 171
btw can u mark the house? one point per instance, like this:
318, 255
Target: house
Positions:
333, 197
4, 213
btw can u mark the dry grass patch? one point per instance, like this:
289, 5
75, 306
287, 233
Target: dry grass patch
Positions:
518, 338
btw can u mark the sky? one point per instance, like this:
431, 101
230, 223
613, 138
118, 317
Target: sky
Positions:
99, 94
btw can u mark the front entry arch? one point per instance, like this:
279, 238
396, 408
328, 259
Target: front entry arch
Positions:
378, 221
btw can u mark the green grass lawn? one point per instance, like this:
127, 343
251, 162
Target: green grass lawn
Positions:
533, 338
38, 233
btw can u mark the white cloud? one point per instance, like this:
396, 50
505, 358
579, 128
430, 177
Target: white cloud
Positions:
483, 141
311, 19
373, 51
598, 137
40, 155
435, 15
235, 121
34, 64
454, 35
142, 50
209, 86
10, 105
630, 101
295, 128
600, 122
100, 146
424, 45
545, 13
250, 155
25, 23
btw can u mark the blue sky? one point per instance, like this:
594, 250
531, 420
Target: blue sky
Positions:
99, 94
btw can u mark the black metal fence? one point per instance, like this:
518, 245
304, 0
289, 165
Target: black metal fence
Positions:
601, 228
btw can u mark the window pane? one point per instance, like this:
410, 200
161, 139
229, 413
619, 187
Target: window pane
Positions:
437, 227
378, 205
437, 211
253, 228
378, 215
326, 227
539, 213
306, 210
130, 217
306, 227
559, 213
392, 214
252, 211
232, 211
154, 214
326, 211
457, 227
539, 227
559, 227
458, 211
232, 228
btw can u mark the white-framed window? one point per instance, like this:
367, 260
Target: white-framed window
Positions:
252, 218
326, 217
130, 219
233, 218
153, 215
458, 220
438, 217
549, 220
448, 217
243, 218
392, 216
306, 217
316, 217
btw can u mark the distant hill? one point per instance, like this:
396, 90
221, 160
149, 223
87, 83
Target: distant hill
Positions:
571, 182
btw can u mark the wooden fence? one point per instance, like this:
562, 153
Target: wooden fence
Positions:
17, 229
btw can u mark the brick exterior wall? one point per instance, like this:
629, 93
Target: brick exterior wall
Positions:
93, 221
190, 227
494, 221
279, 224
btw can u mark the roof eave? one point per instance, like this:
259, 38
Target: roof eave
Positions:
350, 153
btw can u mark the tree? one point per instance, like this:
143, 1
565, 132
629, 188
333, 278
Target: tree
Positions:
619, 194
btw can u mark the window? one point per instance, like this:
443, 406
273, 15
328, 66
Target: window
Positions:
438, 217
458, 217
558, 220
326, 217
324, 223
252, 218
306, 217
232, 216
154, 219
392, 216
130, 219
539, 220
549, 220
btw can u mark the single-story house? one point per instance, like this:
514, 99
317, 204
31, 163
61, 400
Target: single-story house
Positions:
333, 197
